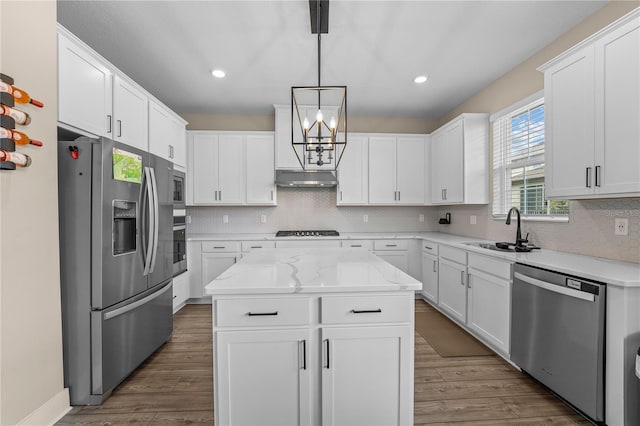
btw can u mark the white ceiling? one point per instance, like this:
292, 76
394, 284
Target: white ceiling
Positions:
376, 48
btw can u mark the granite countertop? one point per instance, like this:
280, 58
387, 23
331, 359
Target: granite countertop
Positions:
624, 274
312, 270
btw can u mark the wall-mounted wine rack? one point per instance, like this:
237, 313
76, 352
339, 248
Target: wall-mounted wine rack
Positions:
7, 122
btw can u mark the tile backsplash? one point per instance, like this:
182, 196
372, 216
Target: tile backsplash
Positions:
590, 230
309, 208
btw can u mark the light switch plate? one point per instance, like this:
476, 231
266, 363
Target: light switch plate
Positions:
622, 226
473, 219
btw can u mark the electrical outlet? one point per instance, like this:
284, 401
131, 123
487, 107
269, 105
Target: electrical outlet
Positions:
225, 218
263, 218
187, 219
622, 226
473, 219
421, 218
365, 218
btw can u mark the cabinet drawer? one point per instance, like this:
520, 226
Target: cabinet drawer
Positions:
262, 312
430, 248
253, 245
364, 309
220, 246
492, 266
307, 243
454, 254
390, 245
367, 244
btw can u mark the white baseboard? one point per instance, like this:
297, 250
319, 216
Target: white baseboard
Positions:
49, 412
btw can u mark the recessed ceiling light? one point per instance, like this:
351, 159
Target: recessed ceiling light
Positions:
218, 73
420, 79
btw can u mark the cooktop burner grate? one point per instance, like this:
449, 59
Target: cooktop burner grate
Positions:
325, 233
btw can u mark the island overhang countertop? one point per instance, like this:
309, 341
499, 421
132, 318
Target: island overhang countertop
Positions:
311, 270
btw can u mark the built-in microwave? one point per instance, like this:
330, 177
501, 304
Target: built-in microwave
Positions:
179, 191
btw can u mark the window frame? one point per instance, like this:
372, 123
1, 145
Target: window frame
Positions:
503, 168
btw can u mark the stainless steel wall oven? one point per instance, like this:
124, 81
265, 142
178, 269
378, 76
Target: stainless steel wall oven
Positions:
179, 242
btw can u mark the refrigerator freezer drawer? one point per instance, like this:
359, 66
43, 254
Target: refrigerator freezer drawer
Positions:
122, 338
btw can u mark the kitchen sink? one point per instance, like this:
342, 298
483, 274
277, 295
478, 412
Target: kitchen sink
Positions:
491, 246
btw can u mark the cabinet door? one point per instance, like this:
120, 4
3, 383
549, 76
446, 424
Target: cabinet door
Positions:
130, 113
285, 155
399, 259
231, 169
617, 154
204, 170
453, 163
430, 277
382, 170
213, 264
178, 142
569, 126
263, 377
367, 376
489, 308
427, 171
353, 188
452, 289
260, 167
410, 170
438, 146
180, 291
160, 131
84, 90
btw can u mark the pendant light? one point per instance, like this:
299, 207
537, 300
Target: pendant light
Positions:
319, 113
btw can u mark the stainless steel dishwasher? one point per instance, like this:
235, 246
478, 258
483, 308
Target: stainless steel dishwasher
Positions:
557, 335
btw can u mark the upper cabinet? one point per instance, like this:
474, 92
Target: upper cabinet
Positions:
85, 89
286, 158
96, 98
353, 179
592, 103
230, 168
396, 169
167, 135
459, 161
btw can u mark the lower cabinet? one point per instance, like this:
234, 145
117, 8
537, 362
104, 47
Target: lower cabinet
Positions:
396, 252
364, 377
430, 277
339, 359
180, 291
452, 291
263, 377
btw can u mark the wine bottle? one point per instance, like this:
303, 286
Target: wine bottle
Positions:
18, 158
19, 95
20, 117
18, 137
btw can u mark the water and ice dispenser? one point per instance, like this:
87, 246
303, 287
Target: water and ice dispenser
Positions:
124, 226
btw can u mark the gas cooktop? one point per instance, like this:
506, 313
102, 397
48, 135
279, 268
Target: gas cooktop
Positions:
325, 233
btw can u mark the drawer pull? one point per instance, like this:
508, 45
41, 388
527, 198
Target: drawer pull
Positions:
326, 365
391, 245
356, 245
256, 246
366, 311
218, 247
262, 314
303, 344
428, 248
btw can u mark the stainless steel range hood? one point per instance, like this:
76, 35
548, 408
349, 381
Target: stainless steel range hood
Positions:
306, 179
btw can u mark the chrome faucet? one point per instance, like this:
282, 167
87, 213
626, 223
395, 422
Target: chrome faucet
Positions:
519, 239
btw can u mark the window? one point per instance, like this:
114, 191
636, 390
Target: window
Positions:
518, 162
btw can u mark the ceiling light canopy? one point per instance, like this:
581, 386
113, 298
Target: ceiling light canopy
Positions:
218, 73
420, 79
319, 113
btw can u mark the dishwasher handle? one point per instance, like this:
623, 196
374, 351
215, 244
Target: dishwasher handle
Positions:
589, 297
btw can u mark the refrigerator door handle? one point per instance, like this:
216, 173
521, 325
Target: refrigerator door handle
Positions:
156, 220
123, 310
147, 244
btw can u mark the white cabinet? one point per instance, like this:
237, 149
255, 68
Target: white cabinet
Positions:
430, 277
592, 104
353, 179
216, 257
180, 291
261, 188
356, 388
84, 87
459, 161
130, 114
489, 298
396, 170
167, 137
217, 168
452, 284
395, 252
263, 377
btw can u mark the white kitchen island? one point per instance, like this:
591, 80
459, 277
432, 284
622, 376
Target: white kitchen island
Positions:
313, 336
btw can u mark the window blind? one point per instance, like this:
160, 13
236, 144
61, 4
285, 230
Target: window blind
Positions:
518, 163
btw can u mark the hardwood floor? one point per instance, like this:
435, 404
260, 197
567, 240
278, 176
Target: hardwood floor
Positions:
174, 386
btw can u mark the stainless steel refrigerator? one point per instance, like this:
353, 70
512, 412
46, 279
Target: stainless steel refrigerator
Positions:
116, 250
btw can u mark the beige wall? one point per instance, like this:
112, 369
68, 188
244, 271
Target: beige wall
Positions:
31, 375
267, 123
591, 222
